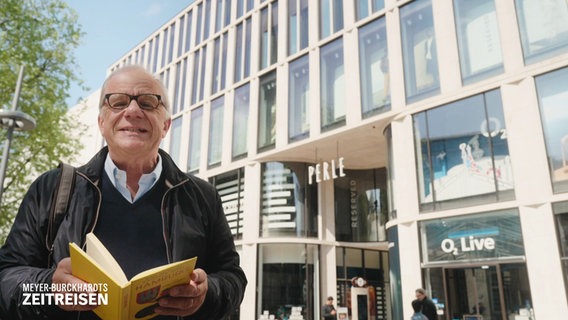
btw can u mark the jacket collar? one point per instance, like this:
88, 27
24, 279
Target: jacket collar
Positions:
95, 168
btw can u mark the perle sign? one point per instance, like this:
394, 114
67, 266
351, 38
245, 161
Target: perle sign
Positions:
326, 171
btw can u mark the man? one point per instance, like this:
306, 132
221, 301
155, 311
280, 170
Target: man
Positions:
428, 306
328, 310
139, 204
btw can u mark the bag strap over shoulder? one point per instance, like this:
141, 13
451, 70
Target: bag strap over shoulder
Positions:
59, 205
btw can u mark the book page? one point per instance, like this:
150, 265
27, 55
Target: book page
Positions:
98, 252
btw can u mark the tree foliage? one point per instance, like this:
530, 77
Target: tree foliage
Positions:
41, 35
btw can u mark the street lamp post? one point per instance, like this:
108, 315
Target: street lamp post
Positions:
13, 120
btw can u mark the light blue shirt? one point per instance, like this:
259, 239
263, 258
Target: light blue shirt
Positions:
118, 179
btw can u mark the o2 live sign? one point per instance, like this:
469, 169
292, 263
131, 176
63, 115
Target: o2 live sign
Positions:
478, 237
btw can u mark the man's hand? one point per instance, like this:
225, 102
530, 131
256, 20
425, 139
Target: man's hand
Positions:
63, 275
186, 299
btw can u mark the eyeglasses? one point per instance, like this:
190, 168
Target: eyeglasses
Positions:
146, 101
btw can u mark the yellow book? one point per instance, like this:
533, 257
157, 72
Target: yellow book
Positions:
134, 299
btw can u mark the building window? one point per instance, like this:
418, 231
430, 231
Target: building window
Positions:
478, 39
199, 62
198, 24
168, 45
361, 206
231, 187
373, 267
216, 131
188, 33
390, 174
242, 50
289, 204
181, 36
288, 281
419, 50
552, 90
462, 154
244, 6
220, 65
365, 7
297, 25
206, 20
543, 27
175, 140
331, 17
267, 111
240, 121
561, 214
268, 35
155, 54
195, 126
332, 83
223, 14
374, 68
180, 83
298, 99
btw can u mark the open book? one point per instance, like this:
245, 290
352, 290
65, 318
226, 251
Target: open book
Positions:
134, 299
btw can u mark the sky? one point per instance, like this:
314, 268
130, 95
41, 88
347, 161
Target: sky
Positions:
111, 29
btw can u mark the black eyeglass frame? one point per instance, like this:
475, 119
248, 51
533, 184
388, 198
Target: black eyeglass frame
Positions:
134, 97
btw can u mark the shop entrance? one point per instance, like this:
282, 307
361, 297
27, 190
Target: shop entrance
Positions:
488, 292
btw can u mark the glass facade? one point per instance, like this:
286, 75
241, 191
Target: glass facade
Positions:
242, 50
374, 68
361, 209
297, 25
331, 17
289, 204
561, 216
240, 121
175, 140
267, 111
230, 187
419, 50
288, 281
543, 26
364, 8
479, 42
332, 85
216, 131
220, 65
462, 153
195, 129
269, 35
552, 90
298, 99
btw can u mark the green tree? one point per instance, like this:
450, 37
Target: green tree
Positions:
41, 35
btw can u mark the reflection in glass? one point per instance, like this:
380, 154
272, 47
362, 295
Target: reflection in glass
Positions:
175, 140
419, 50
543, 25
216, 131
230, 187
361, 210
297, 25
298, 99
267, 111
242, 50
365, 7
195, 126
552, 90
287, 281
462, 153
374, 68
332, 82
331, 17
561, 214
268, 35
240, 121
199, 60
220, 65
478, 39
289, 204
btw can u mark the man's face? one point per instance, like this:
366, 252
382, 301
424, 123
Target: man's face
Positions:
133, 131
420, 296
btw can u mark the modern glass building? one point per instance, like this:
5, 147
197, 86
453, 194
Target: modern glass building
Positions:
367, 148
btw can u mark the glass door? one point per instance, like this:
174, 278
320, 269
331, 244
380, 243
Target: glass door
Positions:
474, 293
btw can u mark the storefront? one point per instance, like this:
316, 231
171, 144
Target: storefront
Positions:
474, 266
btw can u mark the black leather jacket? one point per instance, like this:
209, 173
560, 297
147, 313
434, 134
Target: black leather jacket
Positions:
194, 225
